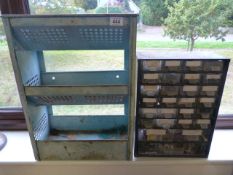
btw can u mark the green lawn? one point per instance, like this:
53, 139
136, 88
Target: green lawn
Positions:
183, 44
85, 60
117, 109
88, 60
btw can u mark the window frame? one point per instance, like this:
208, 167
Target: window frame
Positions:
14, 7
12, 118
224, 121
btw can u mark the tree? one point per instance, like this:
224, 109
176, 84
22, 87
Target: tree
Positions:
190, 19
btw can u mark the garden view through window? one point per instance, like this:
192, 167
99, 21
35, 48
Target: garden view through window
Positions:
83, 60
150, 36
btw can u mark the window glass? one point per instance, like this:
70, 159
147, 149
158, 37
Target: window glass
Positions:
227, 98
87, 110
80, 6
83, 60
8, 91
147, 37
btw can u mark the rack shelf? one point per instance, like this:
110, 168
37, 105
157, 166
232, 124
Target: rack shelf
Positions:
91, 136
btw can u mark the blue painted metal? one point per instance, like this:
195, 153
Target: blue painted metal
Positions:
78, 99
86, 78
39, 120
29, 36
71, 37
29, 67
90, 123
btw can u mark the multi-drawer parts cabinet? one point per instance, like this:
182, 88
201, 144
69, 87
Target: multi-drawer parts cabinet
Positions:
73, 137
178, 97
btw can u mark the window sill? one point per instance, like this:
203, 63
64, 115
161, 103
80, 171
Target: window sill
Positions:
18, 147
17, 157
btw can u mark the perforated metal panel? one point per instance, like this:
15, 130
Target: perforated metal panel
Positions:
94, 99
44, 35
33, 81
53, 99
104, 99
112, 35
72, 37
41, 127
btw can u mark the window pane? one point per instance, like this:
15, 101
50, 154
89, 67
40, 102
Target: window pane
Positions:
54, 7
88, 60
227, 99
8, 91
146, 35
77, 6
61, 110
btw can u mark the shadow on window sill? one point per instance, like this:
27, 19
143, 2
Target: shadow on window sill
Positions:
3, 141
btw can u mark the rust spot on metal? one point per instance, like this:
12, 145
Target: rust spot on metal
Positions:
82, 120
65, 147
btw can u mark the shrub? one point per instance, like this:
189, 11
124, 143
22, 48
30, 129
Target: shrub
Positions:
110, 10
89, 4
86, 4
153, 12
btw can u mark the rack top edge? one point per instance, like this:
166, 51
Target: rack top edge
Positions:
69, 15
181, 55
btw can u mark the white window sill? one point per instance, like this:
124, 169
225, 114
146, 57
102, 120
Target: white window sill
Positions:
18, 148
17, 158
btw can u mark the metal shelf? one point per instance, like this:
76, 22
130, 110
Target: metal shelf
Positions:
28, 37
